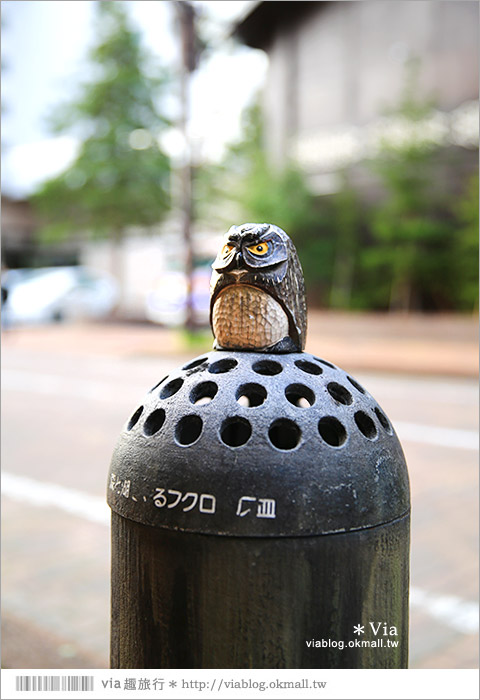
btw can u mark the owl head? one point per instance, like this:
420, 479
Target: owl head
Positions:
253, 247
256, 261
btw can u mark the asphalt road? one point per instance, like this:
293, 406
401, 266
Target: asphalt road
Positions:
62, 413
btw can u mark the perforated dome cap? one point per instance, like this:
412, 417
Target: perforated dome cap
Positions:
239, 443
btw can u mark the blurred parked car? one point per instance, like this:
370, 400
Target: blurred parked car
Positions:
54, 294
166, 303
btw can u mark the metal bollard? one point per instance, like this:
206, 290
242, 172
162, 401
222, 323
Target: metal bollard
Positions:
260, 499
260, 520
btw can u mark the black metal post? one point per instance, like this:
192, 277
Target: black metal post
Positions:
260, 520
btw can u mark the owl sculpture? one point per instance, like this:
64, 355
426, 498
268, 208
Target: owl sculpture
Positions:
257, 300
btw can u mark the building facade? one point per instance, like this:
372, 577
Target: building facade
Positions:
337, 68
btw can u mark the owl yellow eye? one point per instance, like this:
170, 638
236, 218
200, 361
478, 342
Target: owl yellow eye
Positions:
226, 250
259, 248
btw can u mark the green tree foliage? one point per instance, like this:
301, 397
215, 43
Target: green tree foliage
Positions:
414, 248
410, 229
415, 228
464, 257
120, 176
347, 223
244, 187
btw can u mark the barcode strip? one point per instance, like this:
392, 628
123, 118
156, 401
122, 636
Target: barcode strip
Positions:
63, 683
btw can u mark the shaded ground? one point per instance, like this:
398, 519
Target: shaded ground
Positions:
414, 343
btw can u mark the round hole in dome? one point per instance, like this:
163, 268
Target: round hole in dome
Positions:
339, 393
308, 367
267, 367
135, 418
332, 431
383, 420
158, 384
188, 429
300, 395
223, 365
154, 422
171, 388
203, 393
357, 386
284, 434
365, 425
324, 362
251, 395
235, 431
195, 363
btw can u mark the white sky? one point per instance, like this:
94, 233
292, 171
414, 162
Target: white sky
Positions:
44, 43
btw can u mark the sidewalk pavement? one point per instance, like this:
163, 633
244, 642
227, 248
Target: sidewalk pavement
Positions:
443, 344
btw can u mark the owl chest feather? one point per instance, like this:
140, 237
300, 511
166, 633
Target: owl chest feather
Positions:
247, 317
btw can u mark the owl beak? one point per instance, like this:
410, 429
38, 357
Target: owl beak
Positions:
236, 265
239, 260
237, 268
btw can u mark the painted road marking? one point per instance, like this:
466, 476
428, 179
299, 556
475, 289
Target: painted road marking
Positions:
458, 614
45, 494
56, 385
434, 435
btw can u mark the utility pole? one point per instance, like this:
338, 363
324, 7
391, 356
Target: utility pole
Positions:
186, 22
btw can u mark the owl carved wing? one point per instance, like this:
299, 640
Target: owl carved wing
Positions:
292, 293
